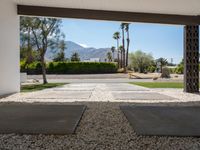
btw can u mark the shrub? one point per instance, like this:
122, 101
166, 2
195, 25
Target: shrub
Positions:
34, 68
151, 69
73, 68
23, 66
172, 70
165, 73
179, 69
140, 61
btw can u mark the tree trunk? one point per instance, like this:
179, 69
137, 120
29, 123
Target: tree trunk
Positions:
127, 51
29, 60
118, 53
123, 51
121, 59
124, 59
29, 53
118, 58
43, 70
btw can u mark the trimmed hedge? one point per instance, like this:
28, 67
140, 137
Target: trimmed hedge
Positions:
71, 68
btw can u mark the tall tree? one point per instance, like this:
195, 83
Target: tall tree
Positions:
128, 42
116, 36
46, 33
113, 53
60, 56
75, 57
25, 38
162, 62
123, 45
109, 56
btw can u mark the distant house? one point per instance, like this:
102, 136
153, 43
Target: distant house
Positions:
92, 60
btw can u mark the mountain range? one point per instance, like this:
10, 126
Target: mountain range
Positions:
85, 53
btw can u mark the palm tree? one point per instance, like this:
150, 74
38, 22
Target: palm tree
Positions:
162, 62
113, 52
128, 41
123, 45
109, 56
116, 36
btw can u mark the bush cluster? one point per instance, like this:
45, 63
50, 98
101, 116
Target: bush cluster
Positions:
70, 68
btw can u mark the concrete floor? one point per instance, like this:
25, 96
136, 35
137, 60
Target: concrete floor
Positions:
164, 120
39, 119
140, 96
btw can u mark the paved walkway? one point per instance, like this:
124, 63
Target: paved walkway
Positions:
104, 92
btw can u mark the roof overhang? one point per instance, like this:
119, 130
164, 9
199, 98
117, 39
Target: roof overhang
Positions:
186, 12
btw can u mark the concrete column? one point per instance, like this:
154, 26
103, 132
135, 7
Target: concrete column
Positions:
9, 48
191, 59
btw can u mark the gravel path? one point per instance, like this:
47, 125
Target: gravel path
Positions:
103, 125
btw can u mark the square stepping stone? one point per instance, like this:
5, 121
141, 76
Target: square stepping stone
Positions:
164, 120
141, 96
74, 89
125, 87
81, 85
40, 119
63, 95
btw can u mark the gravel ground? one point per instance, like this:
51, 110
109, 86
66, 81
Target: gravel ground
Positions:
103, 125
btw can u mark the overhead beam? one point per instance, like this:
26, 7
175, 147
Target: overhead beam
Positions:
108, 15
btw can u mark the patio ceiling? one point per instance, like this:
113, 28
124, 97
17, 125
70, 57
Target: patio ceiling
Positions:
176, 7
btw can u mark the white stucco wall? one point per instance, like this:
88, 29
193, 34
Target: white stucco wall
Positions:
9, 48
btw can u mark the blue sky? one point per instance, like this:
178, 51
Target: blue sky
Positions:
159, 40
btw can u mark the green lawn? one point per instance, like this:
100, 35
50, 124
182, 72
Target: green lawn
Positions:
37, 87
159, 84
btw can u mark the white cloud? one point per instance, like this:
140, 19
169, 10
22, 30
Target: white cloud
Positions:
83, 45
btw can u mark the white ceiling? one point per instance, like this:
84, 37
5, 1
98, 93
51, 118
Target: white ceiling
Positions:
181, 7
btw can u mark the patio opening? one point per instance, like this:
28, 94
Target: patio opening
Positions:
70, 62
102, 97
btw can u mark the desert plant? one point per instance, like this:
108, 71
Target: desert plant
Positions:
165, 73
